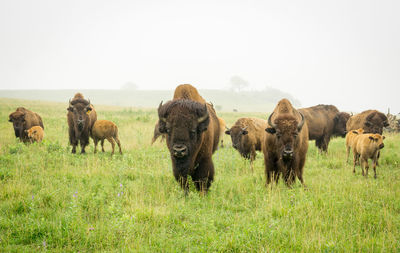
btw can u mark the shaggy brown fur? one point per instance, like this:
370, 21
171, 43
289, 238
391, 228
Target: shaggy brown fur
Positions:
105, 129
286, 144
372, 121
247, 136
24, 119
324, 121
366, 147
192, 133
35, 133
222, 126
350, 137
81, 116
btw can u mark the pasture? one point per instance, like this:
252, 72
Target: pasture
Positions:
53, 200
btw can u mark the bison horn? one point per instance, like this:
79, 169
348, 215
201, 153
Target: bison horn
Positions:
244, 128
70, 104
163, 119
300, 125
88, 101
227, 128
270, 121
204, 117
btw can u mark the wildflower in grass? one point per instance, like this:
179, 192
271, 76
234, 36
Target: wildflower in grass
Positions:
75, 194
33, 197
44, 244
120, 185
91, 229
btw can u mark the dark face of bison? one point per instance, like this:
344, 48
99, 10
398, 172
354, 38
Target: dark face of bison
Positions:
340, 121
375, 123
18, 120
286, 130
80, 114
238, 135
183, 121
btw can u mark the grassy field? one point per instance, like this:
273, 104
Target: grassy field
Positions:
53, 200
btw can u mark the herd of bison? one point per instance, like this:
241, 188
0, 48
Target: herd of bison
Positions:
193, 131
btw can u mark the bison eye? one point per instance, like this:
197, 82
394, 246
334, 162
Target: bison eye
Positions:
192, 133
295, 135
278, 135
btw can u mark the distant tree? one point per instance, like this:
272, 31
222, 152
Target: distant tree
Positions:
129, 86
238, 84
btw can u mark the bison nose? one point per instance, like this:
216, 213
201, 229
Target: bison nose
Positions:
381, 146
287, 153
179, 150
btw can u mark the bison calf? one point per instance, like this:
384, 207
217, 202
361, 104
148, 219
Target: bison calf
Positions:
367, 146
105, 129
35, 134
350, 136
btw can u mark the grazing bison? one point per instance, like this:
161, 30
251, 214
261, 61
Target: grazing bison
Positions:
324, 121
372, 121
24, 119
81, 117
35, 133
104, 129
286, 143
247, 135
350, 137
222, 126
367, 146
192, 132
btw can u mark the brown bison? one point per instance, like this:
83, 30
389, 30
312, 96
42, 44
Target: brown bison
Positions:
350, 137
324, 121
35, 133
104, 129
24, 119
192, 132
372, 121
222, 126
81, 117
367, 146
247, 135
286, 144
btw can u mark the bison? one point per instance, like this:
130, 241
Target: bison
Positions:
324, 121
81, 116
372, 121
367, 146
285, 144
105, 129
222, 126
24, 119
35, 133
350, 136
192, 132
247, 135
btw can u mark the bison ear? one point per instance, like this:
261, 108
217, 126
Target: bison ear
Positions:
10, 120
244, 132
354, 132
383, 137
162, 126
69, 109
270, 130
336, 118
88, 110
228, 132
385, 124
371, 138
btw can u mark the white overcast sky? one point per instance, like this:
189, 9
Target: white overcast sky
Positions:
340, 52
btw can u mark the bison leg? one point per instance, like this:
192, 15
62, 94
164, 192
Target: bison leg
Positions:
374, 166
95, 140
355, 159
119, 144
204, 175
252, 157
111, 140
325, 143
347, 154
102, 145
84, 142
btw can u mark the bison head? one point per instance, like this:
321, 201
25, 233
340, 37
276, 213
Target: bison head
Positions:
340, 122
375, 122
183, 121
18, 120
377, 139
286, 128
80, 110
238, 135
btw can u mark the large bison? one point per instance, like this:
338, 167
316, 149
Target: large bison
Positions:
81, 117
24, 119
324, 121
247, 135
372, 121
192, 133
286, 144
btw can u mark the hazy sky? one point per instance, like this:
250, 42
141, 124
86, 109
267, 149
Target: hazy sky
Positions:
345, 53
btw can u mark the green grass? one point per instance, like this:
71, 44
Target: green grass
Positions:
53, 200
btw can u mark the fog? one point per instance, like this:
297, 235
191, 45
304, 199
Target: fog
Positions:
345, 53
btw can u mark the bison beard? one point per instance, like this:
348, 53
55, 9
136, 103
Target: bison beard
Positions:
188, 130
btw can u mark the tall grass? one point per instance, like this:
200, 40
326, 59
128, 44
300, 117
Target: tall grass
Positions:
53, 200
